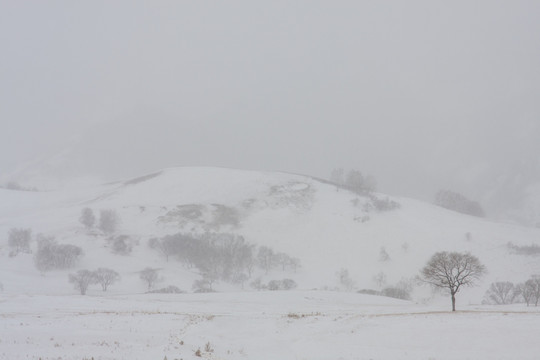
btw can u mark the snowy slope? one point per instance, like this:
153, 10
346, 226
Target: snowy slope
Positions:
326, 227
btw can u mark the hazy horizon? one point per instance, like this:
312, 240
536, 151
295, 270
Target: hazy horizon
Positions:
421, 95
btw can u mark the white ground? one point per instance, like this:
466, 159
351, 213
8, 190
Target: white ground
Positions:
42, 317
263, 325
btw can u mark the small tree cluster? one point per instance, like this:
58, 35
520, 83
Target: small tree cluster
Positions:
353, 180
267, 260
220, 256
381, 204
505, 292
107, 223
50, 255
457, 202
19, 241
284, 284
82, 279
121, 244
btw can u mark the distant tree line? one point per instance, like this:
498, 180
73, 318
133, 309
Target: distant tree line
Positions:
13, 185
532, 249
457, 202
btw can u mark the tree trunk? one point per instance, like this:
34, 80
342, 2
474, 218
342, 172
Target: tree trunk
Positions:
453, 302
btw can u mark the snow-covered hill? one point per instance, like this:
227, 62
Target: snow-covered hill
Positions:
326, 227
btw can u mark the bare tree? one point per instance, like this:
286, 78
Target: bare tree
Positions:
282, 259
265, 257
532, 287
295, 263
380, 279
452, 270
345, 279
82, 279
108, 220
530, 290
502, 292
150, 276
106, 277
87, 218
383, 255
166, 246
19, 241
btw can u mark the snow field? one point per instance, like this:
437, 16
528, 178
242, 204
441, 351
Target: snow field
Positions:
263, 325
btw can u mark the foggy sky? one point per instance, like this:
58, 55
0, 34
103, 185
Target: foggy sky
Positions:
421, 94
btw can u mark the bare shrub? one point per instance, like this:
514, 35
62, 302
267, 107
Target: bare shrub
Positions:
87, 218
396, 292
171, 289
383, 254
203, 285
108, 220
257, 284
19, 241
121, 244
285, 284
